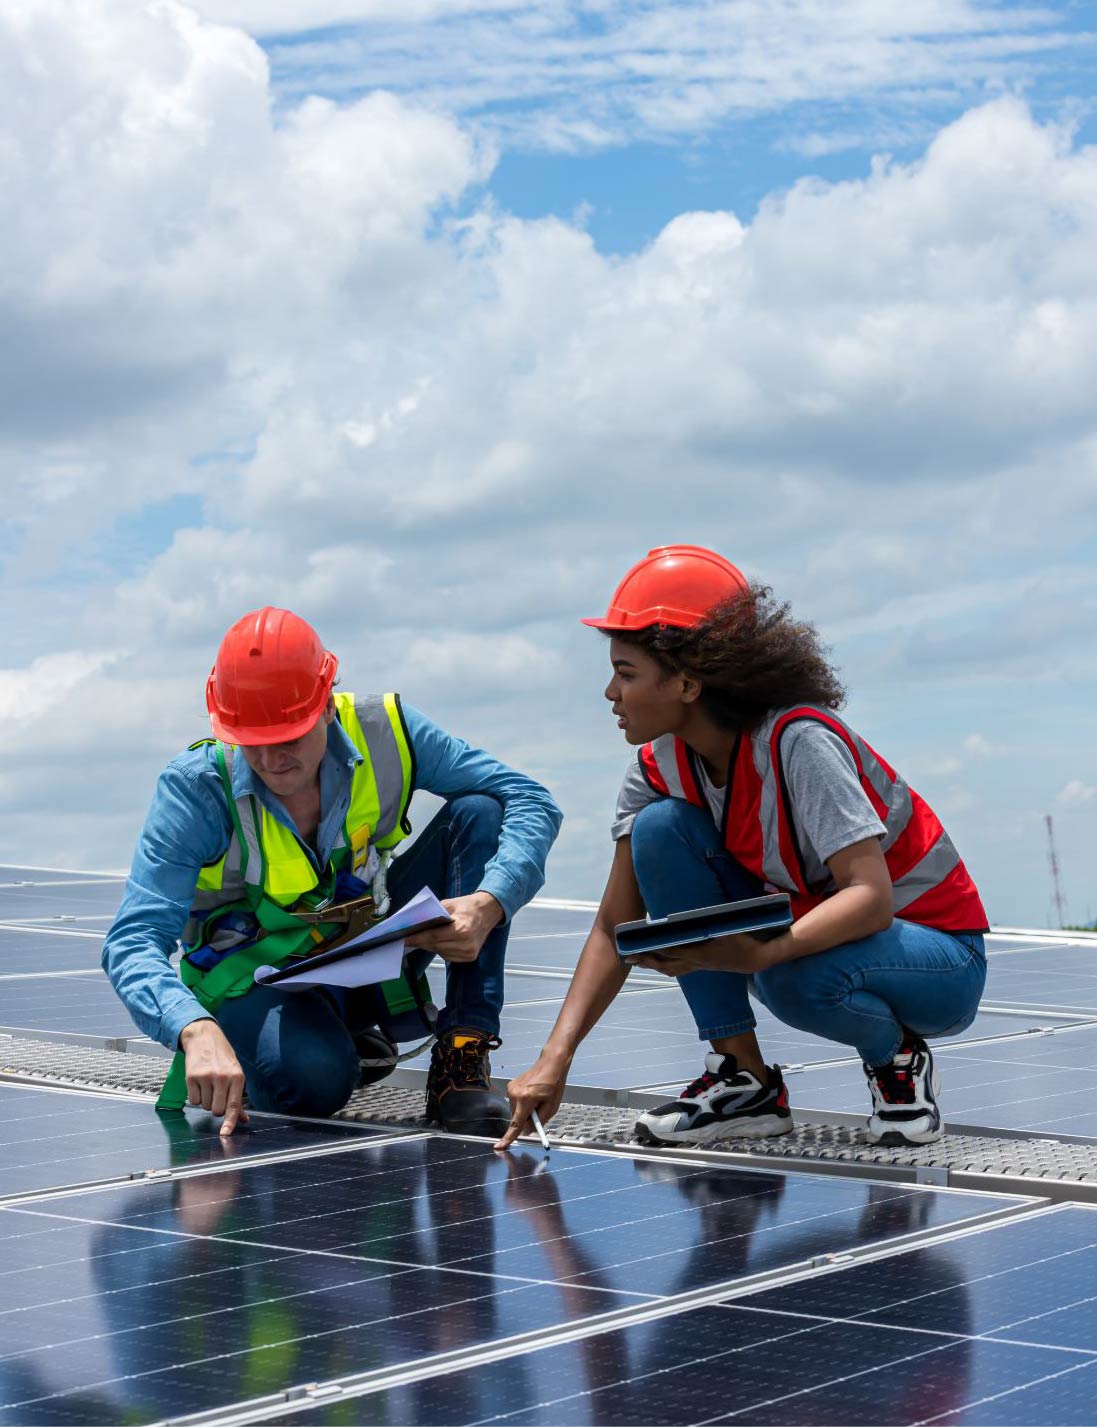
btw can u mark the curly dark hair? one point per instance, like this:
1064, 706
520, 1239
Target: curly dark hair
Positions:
750, 656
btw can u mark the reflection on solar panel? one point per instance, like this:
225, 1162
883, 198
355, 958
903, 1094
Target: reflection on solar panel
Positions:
323, 1272
938, 1334
52, 1140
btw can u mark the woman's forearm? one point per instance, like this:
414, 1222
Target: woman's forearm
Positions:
850, 914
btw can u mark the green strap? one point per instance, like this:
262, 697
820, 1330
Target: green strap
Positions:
234, 976
173, 1093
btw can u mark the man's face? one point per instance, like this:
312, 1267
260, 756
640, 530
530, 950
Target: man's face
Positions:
289, 769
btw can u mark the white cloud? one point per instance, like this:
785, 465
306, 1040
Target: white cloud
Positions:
979, 746
28, 695
565, 74
444, 439
1076, 793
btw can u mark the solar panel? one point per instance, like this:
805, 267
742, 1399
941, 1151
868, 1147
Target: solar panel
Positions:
27, 952
939, 1333
726, 1364
305, 1252
47, 903
185, 1296
80, 1005
53, 1140
12, 875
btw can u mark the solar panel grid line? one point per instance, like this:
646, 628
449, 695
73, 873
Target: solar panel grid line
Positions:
62, 871
403, 1265
352, 1144
734, 1159
1062, 944
41, 975
1051, 933
36, 929
75, 1038
18, 923
989, 1398
940, 1047
652, 1381
998, 1008
66, 882
973, 1280
842, 1381
386, 1134
467, 1266
577, 1161
914, 1328
355, 1386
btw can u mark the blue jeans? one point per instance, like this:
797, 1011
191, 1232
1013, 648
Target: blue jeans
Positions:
863, 994
297, 1048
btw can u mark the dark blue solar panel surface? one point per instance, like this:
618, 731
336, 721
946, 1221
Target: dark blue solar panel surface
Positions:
53, 1140
28, 952
165, 1297
724, 1364
1044, 1083
994, 1327
12, 876
83, 1005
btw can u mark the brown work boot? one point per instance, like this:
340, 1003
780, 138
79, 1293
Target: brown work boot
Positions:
459, 1093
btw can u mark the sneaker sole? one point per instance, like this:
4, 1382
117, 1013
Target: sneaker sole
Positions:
895, 1139
761, 1128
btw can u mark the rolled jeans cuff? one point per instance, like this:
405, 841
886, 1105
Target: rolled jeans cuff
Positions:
733, 1028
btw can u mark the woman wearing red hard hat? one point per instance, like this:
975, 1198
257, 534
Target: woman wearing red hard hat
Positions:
747, 781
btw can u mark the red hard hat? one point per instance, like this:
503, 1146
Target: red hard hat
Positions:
271, 680
674, 585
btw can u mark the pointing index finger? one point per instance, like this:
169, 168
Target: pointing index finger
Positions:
234, 1110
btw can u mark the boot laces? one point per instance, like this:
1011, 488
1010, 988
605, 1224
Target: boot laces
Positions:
469, 1062
897, 1082
697, 1087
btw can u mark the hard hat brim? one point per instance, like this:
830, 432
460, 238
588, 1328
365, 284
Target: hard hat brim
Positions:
645, 619
251, 737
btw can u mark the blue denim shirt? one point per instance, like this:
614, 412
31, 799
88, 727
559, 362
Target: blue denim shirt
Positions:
189, 826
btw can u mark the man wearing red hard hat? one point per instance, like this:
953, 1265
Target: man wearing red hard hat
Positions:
747, 781
263, 842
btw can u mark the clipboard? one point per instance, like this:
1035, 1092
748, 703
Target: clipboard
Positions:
763, 917
423, 912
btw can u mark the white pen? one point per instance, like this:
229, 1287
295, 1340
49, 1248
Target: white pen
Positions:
537, 1125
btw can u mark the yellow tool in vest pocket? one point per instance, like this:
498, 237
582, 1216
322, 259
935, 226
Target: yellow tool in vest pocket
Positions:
359, 848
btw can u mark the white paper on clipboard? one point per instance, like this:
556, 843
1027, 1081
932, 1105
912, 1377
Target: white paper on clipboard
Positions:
380, 956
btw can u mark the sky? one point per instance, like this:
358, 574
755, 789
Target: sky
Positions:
427, 318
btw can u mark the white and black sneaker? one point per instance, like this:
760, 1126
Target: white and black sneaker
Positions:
723, 1103
904, 1097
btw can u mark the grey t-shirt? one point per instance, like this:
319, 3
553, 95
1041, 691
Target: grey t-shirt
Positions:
830, 809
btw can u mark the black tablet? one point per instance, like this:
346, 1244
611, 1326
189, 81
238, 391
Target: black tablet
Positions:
763, 917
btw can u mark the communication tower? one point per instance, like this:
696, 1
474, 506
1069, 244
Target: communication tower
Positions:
1057, 900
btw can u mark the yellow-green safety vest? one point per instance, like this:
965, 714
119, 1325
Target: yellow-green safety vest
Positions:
267, 872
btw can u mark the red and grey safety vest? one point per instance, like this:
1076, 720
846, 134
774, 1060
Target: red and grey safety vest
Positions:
930, 883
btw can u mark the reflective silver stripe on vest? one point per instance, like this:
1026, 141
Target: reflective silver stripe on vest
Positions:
894, 795
934, 867
250, 815
667, 763
384, 755
233, 881
773, 865
899, 814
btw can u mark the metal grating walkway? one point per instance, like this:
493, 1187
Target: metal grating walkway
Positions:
1009, 1162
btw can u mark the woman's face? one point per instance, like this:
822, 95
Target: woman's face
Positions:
647, 700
